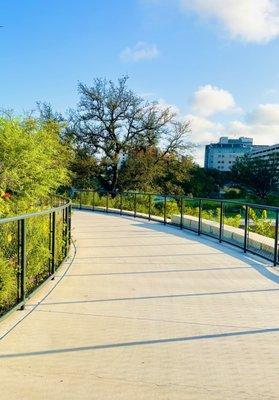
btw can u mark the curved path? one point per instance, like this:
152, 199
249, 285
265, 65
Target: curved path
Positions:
147, 312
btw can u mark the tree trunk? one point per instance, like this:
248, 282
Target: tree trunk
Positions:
114, 183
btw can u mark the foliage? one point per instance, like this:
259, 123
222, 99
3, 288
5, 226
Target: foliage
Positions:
8, 265
259, 176
233, 213
205, 183
85, 170
8, 283
233, 193
33, 163
174, 172
147, 171
112, 121
261, 224
273, 200
38, 256
173, 206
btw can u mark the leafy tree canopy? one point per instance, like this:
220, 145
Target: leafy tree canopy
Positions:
112, 121
259, 176
205, 183
33, 162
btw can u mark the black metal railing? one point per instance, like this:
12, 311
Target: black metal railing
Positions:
32, 247
251, 227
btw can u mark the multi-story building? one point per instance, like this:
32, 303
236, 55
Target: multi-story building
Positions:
222, 155
266, 154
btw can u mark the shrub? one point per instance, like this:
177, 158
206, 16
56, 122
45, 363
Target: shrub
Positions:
34, 163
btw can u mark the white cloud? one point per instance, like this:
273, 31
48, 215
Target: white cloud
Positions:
141, 51
250, 20
262, 134
204, 131
262, 124
200, 124
209, 100
266, 114
162, 105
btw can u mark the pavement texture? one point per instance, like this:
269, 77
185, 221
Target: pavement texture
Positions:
146, 312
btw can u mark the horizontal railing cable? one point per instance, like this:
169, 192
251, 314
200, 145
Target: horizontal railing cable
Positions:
32, 247
251, 227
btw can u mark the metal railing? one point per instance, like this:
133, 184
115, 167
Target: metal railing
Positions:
32, 247
251, 227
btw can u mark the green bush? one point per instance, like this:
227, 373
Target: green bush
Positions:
211, 210
261, 224
8, 283
34, 163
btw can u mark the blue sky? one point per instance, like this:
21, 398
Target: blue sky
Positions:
215, 61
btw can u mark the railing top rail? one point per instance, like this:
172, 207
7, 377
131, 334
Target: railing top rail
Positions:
35, 214
224, 201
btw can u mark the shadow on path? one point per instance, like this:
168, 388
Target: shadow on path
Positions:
170, 271
171, 296
141, 343
258, 264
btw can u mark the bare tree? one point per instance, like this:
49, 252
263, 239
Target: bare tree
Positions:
46, 112
111, 120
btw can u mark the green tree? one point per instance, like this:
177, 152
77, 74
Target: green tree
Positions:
138, 171
85, 169
174, 172
33, 162
205, 183
258, 176
151, 171
112, 121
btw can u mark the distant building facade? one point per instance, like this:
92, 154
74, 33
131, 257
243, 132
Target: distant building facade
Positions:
267, 153
222, 155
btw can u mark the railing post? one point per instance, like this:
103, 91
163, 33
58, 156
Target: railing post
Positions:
69, 225
275, 261
135, 205
149, 207
181, 211
107, 199
200, 217
63, 225
165, 210
93, 202
53, 242
65, 231
23, 262
221, 222
246, 228
121, 203
18, 259
49, 243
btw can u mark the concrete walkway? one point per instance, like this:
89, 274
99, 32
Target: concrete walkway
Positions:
146, 312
